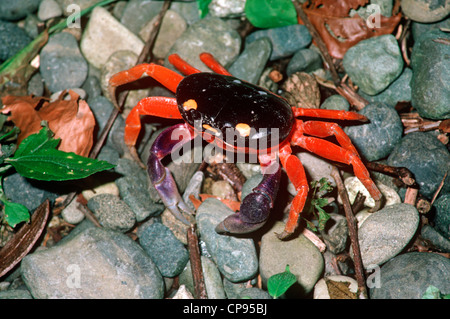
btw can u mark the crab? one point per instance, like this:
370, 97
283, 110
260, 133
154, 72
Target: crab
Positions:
209, 105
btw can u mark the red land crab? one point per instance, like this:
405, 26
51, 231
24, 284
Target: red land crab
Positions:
221, 101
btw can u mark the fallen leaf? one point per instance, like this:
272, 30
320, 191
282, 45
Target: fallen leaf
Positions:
71, 120
338, 30
23, 241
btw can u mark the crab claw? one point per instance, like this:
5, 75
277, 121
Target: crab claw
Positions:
255, 207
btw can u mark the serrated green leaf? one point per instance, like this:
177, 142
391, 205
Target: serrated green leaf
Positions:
15, 213
37, 142
53, 165
278, 284
270, 13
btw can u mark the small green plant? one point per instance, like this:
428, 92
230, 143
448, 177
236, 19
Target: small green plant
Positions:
270, 13
37, 157
279, 283
203, 7
433, 292
317, 203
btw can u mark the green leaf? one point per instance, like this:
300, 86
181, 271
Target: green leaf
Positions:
36, 142
278, 284
270, 13
203, 8
15, 213
433, 292
323, 217
53, 165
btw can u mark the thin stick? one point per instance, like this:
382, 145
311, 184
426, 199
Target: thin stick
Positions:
353, 232
196, 264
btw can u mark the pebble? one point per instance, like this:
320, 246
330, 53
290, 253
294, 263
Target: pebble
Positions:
213, 280
95, 264
249, 184
425, 11
166, 251
398, 91
285, 40
373, 64
207, 35
235, 257
304, 259
409, 275
138, 13
226, 8
254, 293
12, 38
100, 187
304, 60
133, 188
436, 238
442, 216
18, 9
251, 62
426, 157
183, 293
335, 233
97, 47
29, 192
430, 61
112, 212
193, 188
67, 5
36, 85
316, 168
321, 290
375, 140
335, 102
188, 10
72, 214
172, 27
385, 233
62, 65
15, 294
92, 88
49, 9
423, 29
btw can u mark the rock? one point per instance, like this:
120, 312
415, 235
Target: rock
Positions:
193, 188
304, 259
398, 91
442, 217
49, 9
285, 40
436, 238
97, 47
409, 275
304, 60
207, 35
251, 62
167, 252
430, 61
36, 85
138, 13
335, 102
316, 168
376, 139
235, 257
346, 290
97, 263
188, 10
426, 157
213, 281
12, 38
249, 184
384, 7
424, 29
386, 232
425, 11
100, 187
373, 64
254, 293
183, 293
226, 8
62, 65
70, 6
133, 187
172, 27
112, 212
72, 214
15, 294
92, 88
18, 9
335, 233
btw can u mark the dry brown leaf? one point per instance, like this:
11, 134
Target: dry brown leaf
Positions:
71, 120
338, 30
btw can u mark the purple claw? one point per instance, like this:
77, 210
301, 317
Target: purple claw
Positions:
255, 207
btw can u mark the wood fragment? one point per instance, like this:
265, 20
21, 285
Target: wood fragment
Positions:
196, 264
25, 239
314, 239
353, 232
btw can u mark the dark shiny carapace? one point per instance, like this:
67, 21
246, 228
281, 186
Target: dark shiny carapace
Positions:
233, 110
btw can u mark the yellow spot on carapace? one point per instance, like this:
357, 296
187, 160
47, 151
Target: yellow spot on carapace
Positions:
243, 129
210, 128
189, 105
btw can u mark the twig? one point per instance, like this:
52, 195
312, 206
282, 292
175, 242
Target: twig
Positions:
314, 239
439, 188
402, 173
196, 264
353, 232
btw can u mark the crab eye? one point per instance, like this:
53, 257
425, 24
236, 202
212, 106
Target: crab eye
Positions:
243, 129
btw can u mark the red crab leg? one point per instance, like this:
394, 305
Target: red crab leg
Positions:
182, 65
165, 107
333, 152
213, 64
296, 174
328, 114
